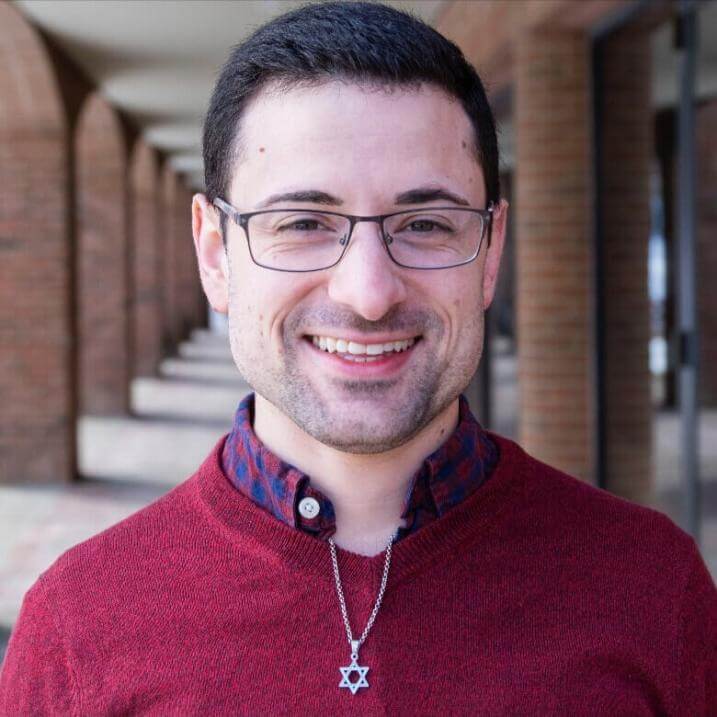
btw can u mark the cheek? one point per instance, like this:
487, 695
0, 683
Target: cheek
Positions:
466, 315
260, 303
248, 310
460, 296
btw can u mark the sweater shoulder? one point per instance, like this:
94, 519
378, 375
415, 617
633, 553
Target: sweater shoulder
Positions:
570, 510
142, 537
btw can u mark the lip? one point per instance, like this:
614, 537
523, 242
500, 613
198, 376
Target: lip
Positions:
386, 366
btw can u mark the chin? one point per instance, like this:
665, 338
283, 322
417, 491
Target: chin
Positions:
371, 430
363, 444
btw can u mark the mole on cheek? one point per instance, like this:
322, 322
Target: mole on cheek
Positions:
261, 149
464, 144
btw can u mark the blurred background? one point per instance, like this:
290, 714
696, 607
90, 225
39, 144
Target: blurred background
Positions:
115, 377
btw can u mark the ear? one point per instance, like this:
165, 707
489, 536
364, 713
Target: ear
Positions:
495, 251
211, 255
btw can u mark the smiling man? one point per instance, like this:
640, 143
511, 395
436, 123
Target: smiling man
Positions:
358, 543
362, 270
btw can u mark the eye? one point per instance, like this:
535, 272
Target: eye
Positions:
423, 225
303, 225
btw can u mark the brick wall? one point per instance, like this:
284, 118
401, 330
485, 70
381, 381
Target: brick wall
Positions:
553, 243
146, 260
185, 262
488, 32
75, 295
37, 427
102, 262
169, 190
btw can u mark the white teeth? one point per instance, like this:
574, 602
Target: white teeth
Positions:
353, 349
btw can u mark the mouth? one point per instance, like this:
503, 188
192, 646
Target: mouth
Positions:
356, 351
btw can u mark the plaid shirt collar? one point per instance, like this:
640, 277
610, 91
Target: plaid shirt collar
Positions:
448, 476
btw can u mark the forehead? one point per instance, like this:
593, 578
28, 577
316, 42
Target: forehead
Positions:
355, 141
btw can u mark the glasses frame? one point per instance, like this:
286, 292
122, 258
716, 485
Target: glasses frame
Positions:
242, 220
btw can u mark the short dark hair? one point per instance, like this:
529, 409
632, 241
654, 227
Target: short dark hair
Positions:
361, 41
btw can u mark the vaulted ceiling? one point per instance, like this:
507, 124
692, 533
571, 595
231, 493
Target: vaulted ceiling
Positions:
157, 60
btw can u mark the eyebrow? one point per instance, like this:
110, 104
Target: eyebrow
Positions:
420, 195
314, 196
429, 194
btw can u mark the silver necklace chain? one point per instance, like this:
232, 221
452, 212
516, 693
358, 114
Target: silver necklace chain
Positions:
356, 644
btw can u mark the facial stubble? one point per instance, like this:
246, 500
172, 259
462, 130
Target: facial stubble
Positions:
374, 416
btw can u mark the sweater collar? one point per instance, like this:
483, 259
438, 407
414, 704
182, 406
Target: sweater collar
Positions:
447, 476
245, 526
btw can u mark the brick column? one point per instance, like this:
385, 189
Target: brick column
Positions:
707, 249
146, 298
37, 423
102, 261
626, 125
185, 260
553, 243
170, 188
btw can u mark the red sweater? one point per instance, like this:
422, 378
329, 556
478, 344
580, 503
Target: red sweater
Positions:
538, 595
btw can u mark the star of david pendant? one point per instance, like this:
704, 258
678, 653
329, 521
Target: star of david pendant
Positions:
346, 681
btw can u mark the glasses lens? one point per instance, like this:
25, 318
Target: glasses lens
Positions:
297, 240
431, 238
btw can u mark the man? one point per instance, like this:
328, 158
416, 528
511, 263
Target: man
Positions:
358, 543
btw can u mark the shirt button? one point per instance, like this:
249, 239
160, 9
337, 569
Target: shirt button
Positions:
309, 507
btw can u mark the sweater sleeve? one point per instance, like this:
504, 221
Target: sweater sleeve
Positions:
696, 690
36, 677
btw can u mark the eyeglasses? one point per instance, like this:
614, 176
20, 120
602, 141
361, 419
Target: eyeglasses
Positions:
300, 240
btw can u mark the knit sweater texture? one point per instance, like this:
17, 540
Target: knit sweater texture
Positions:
537, 595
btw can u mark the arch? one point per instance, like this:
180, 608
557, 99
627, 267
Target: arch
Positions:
37, 427
101, 261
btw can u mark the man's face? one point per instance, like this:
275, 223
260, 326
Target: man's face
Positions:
364, 147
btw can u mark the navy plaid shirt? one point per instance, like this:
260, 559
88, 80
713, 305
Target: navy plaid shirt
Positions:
447, 477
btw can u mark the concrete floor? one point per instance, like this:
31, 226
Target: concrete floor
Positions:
128, 462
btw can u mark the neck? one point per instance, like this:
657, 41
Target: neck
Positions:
368, 491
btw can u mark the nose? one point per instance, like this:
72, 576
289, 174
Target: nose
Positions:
366, 279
